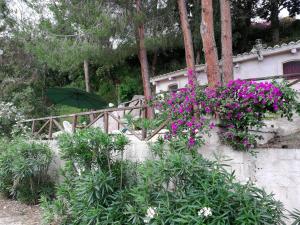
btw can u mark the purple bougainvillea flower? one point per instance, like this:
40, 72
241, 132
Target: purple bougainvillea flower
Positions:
192, 141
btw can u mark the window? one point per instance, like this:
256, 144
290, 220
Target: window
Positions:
172, 87
292, 67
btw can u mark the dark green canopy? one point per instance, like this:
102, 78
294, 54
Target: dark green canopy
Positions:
76, 98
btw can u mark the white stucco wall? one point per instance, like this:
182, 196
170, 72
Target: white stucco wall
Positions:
245, 67
270, 65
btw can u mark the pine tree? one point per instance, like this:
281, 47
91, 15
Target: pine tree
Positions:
187, 37
226, 37
209, 44
142, 54
270, 9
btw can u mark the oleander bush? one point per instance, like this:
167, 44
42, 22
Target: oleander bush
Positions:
24, 170
185, 188
179, 187
295, 216
95, 179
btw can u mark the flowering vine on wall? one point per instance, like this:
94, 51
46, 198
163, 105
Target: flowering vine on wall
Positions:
240, 106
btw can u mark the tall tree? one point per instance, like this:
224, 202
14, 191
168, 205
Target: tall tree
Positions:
226, 39
270, 9
142, 54
69, 38
242, 13
209, 44
187, 37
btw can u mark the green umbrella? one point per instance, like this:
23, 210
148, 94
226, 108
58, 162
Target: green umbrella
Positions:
76, 98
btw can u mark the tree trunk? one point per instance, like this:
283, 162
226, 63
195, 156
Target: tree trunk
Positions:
209, 44
226, 36
142, 54
187, 37
86, 75
87, 81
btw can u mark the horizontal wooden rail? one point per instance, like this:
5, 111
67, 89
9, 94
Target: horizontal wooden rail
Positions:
83, 113
51, 122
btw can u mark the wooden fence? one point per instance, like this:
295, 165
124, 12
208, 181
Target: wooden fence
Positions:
52, 124
49, 125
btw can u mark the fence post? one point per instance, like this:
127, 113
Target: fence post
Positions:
74, 124
50, 128
33, 126
106, 122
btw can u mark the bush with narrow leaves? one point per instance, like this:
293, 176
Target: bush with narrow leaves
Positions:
179, 187
24, 170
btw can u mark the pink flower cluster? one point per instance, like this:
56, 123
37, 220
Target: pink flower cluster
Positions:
183, 108
240, 105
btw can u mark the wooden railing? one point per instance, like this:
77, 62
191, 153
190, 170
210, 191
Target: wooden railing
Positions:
49, 125
52, 124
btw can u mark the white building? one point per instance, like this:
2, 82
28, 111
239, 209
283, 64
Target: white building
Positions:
260, 62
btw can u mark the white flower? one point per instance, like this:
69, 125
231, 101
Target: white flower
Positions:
205, 212
161, 96
151, 212
111, 105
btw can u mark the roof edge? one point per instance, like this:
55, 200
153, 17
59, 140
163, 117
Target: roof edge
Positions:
236, 59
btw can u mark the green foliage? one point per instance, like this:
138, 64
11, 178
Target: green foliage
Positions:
179, 187
24, 170
238, 116
129, 87
295, 215
22, 80
95, 179
10, 117
91, 149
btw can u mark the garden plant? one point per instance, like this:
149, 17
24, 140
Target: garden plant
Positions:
240, 107
178, 187
24, 170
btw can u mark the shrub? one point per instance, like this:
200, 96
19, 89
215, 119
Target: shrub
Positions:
240, 106
95, 179
179, 187
10, 116
184, 188
187, 122
23, 170
91, 149
243, 105
295, 215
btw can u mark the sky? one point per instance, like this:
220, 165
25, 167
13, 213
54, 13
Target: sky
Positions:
23, 12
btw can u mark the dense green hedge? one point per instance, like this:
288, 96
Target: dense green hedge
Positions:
24, 170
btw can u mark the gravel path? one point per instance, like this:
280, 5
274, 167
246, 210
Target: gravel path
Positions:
15, 213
